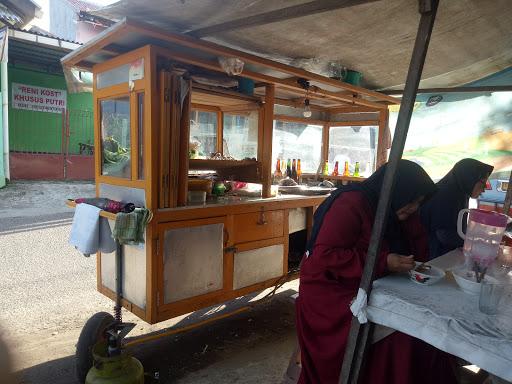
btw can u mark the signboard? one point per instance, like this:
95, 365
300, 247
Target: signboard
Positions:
136, 70
38, 99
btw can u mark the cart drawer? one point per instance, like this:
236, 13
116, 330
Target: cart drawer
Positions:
258, 226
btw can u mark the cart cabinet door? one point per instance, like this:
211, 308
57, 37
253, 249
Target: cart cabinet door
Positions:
258, 262
193, 260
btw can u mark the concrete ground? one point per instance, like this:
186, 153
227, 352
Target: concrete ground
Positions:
48, 291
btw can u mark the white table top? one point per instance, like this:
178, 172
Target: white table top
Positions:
446, 317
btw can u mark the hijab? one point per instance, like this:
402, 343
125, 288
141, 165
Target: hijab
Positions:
454, 191
411, 182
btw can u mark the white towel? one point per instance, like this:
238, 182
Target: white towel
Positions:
91, 233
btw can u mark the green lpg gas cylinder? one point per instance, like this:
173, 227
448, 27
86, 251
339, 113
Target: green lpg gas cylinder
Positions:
122, 369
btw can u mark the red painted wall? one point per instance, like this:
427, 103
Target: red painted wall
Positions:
79, 167
35, 166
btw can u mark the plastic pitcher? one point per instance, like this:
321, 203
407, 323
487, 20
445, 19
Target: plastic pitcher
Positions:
483, 235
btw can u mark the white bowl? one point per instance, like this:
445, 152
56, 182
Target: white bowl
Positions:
467, 282
432, 276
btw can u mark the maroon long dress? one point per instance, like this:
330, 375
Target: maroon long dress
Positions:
330, 279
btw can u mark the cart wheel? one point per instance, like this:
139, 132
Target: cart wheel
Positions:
92, 332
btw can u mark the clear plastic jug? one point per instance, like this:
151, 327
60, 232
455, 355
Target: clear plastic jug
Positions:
483, 235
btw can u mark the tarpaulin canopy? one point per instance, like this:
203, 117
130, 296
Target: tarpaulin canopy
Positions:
471, 39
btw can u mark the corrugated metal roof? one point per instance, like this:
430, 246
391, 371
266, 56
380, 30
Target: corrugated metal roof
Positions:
38, 50
80, 5
36, 55
42, 33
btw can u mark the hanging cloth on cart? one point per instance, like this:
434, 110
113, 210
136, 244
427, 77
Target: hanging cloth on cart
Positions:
131, 227
91, 233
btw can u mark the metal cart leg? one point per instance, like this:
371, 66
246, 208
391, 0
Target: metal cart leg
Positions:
103, 327
119, 330
119, 282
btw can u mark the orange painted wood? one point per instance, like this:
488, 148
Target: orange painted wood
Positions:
313, 93
261, 123
105, 214
286, 238
258, 225
325, 146
162, 228
343, 178
152, 130
120, 89
172, 310
134, 140
304, 120
382, 150
197, 212
207, 164
165, 140
228, 256
120, 181
216, 49
354, 123
122, 59
352, 109
175, 127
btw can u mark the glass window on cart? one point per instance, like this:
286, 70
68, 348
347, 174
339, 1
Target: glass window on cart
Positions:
294, 140
203, 132
115, 137
240, 135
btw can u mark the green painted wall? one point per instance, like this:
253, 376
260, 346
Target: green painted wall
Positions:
31, 131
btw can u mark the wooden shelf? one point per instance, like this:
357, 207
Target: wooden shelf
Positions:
207, 164
108, 215
344, 178
240, 170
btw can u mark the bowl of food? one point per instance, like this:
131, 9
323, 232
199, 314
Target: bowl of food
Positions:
466, 281
426, 274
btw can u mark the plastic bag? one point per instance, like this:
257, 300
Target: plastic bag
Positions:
231, 65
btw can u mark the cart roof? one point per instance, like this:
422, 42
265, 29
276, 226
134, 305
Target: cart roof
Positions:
128, 35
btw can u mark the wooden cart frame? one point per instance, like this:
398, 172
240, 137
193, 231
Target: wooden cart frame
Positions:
160, 137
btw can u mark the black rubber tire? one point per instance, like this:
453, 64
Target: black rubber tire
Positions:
92, 332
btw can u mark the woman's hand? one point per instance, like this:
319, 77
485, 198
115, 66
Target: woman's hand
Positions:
400, 263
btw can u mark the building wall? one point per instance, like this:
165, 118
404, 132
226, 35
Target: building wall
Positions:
62, 20
41, 132
2, 173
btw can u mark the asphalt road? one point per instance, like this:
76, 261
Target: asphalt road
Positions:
48, 291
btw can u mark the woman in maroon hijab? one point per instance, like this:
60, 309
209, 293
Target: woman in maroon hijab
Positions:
331, 273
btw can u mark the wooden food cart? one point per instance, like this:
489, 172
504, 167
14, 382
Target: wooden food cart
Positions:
147, 85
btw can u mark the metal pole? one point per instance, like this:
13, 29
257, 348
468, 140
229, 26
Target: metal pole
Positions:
119, 282
5, 116
358, 337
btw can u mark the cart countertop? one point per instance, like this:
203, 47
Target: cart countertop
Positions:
226, 206
237, 205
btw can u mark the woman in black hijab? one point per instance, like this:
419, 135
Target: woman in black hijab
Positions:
331, 273
439, 215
